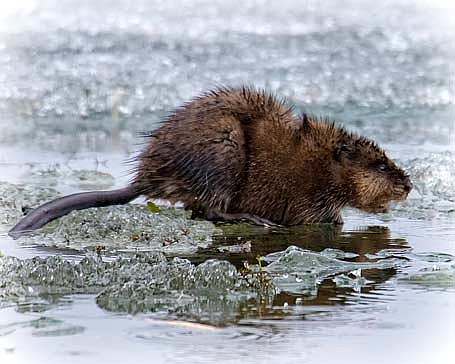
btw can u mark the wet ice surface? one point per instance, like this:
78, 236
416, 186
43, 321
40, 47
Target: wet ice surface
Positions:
209, 292
129, 227
76, 87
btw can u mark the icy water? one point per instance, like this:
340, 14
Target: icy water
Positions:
80, 79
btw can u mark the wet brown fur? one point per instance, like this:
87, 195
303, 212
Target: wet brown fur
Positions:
233, 151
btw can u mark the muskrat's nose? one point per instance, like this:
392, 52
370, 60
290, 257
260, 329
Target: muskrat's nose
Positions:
407, 184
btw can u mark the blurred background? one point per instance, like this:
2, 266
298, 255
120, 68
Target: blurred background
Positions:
79, 75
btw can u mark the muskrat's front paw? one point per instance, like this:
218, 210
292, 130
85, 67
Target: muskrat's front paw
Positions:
218, 215
259, 220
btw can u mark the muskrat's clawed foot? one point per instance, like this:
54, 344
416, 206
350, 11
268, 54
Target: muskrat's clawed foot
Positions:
218, 215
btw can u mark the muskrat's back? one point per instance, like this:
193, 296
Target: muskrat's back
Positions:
201, 154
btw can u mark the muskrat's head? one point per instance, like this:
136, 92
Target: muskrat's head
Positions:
371, 179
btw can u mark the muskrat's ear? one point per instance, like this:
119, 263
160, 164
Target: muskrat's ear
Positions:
305, 121
305, 125
342, 151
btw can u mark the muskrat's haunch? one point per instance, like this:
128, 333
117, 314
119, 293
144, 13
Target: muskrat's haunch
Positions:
242, 154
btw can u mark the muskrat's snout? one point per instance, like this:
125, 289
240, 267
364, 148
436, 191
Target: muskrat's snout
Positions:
407, 185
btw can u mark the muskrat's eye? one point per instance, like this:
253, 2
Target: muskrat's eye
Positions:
382, 167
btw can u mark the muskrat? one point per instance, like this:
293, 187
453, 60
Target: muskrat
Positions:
240, 153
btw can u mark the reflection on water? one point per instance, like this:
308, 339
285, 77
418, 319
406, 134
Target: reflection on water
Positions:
262, 241
357, 244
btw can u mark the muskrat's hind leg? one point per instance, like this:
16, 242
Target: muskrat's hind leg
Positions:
218, 215
201, 163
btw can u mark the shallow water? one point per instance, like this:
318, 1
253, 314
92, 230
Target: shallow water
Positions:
123, 283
